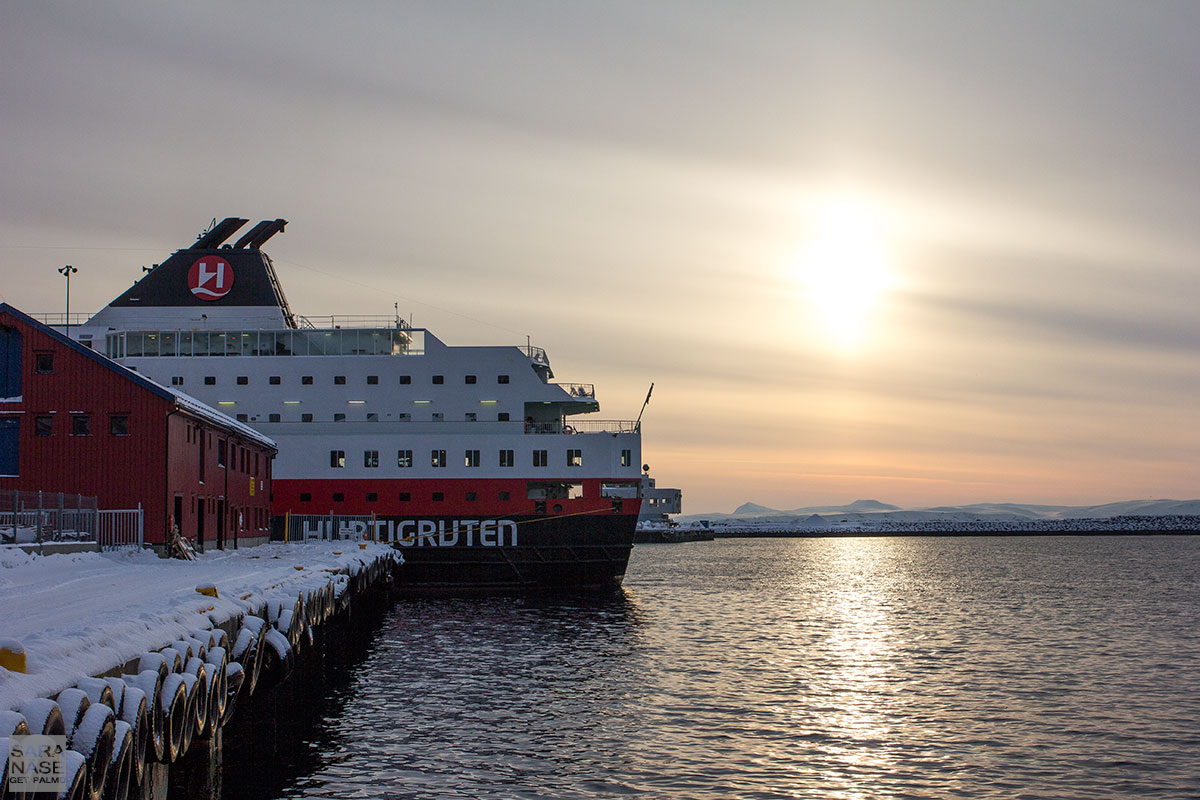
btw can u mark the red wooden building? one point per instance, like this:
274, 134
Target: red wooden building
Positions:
72, 420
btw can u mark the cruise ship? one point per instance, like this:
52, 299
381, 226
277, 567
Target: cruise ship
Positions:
473, 461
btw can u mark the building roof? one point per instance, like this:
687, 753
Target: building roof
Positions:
183, 402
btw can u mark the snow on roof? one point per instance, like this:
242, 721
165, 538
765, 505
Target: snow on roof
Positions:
210, 414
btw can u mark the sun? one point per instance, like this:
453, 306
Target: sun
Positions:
843, 269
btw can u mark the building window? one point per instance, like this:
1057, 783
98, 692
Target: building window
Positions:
118, 425
372, 497
470, 380
437, 458
220, 452
81, 425
471, 458
404, 458
404, 497
502, 416
438, 497
306, 417
243, 380
339, 380
541, 458
339, 417
274, 380
306, 497
471, 497
43, 363
372, 380
504, 496
506, 458
11, 351
626, 458
210, 380
177, 380
370, 459
43, 426
501, 379
405, 380
10, 432
306, 380
439, 379
338, 497
337, 459
471, 416
273, 418
574, 458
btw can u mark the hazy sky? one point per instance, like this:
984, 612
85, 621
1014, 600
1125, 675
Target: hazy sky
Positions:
921, 252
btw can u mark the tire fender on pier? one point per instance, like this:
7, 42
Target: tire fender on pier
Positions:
172, 700
198, 696
93, 739
43, 716
120, 767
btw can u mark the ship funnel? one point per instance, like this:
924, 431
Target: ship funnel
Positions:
218, 234
259, 234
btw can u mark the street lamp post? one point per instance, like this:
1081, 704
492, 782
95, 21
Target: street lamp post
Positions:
66, 271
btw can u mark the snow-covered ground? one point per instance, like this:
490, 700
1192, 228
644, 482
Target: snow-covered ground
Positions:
85, 613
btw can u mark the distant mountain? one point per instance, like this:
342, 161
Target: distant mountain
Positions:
868, 509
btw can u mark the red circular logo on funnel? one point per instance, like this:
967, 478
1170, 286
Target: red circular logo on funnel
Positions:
210, 278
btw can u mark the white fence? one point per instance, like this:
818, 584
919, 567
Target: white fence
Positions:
116, 529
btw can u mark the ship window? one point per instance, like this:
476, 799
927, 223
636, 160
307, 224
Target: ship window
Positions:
438, 379
405, 380
274, 380
438, 497
541, 458
338, 497
404, 458
306, 417
626, 458
372, 497
81, 425
306, 380
44, 362
306, 497
273, 418
404, 497
470, 379
372, 380
339, 417
505, 496
404, 416
471, 458
471, 497
501, 379
372, 416
437, 458
243, 418
506, 458
553, 490
472, 416
339, 380
242, 380
574, 458
210, 380
337, 459
370, 459
438, 416
502, 416
177, 380
43, 426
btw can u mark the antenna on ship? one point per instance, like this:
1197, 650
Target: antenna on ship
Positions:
637, 425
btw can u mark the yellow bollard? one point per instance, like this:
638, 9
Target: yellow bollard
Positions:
12, 656
207, 589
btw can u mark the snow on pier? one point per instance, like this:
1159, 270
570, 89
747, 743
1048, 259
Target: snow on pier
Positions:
88, 613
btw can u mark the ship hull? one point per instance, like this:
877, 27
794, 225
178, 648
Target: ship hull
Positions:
518, 553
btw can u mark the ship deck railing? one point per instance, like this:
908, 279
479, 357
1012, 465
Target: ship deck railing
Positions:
585, 391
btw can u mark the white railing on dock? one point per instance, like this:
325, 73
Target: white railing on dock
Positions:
120, 528
324, 527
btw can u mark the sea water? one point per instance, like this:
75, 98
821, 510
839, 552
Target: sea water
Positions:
775, 668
